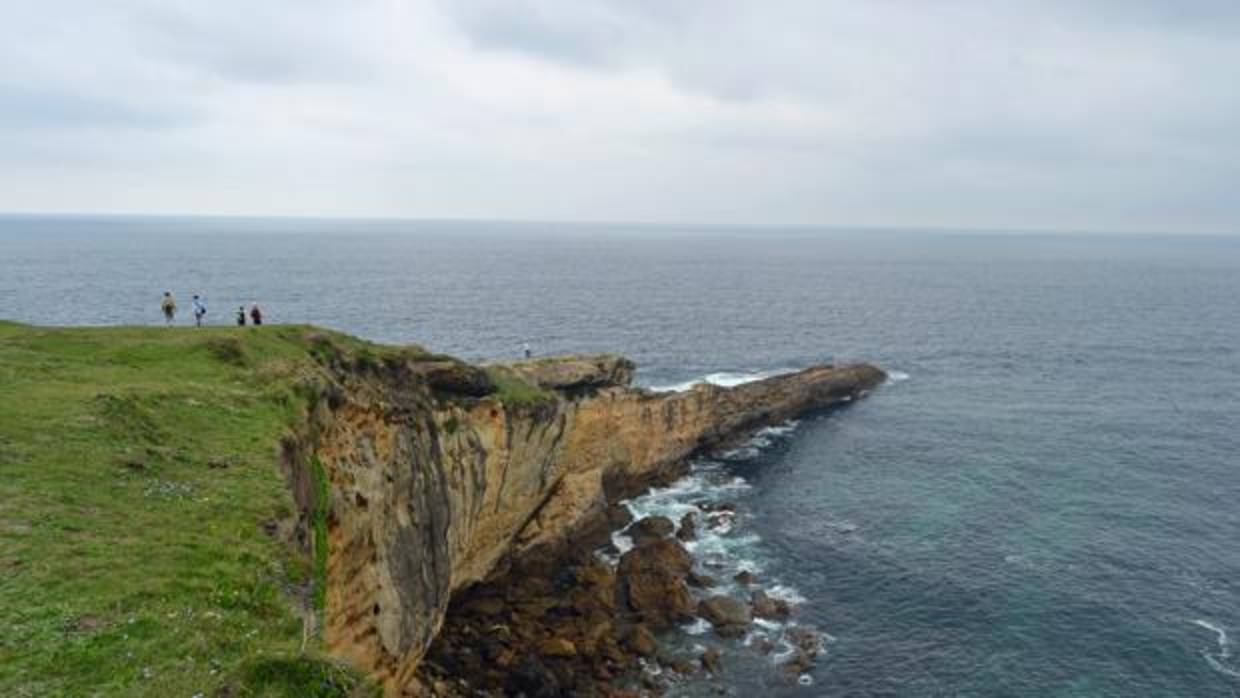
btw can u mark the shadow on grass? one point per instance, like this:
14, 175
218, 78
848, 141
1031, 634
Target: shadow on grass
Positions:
304, 676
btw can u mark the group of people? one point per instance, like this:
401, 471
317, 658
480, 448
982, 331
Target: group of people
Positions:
169, 306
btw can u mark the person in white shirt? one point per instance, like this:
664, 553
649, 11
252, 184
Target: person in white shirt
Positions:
200, 310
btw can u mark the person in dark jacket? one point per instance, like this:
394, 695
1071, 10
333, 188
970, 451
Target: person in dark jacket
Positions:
241, 316
169, 306
256, 315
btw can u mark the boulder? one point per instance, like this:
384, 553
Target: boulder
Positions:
557, 647
806, 645
728, 615
805, 639
650, 528
712, 660
745, 577
678, 664
641, 641
652, 582
618, 516
700, 581
766, 607
657, 555
595, 588
688, 530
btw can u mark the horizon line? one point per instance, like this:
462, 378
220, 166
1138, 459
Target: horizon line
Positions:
803, 227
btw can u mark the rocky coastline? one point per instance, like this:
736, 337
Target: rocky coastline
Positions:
578, 625
468, 515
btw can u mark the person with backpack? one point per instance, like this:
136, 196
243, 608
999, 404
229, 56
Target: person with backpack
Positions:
200, 310
169, 306
256, 315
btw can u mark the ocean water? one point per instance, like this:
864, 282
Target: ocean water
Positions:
1044, 505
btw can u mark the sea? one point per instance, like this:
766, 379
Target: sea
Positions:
1042, 500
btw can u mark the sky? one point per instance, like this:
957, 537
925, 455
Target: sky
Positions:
1055, 114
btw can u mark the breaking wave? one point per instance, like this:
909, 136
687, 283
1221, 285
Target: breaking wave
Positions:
724, 379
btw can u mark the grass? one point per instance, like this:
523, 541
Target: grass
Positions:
514, 391
137, 467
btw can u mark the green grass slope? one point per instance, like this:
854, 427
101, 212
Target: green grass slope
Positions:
137, 469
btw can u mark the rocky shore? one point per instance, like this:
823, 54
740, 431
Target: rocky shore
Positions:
578, 625
463, 508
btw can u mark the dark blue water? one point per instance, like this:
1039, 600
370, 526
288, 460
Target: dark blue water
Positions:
1046, 507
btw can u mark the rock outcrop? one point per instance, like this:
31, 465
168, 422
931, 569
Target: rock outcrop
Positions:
431, 478
654, 583
729, 616
575, 373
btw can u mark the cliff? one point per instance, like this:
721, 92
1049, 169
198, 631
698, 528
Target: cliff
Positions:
153, 546
438, 473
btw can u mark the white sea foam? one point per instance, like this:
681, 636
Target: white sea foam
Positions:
805, 680
723, 379
783, 652
722, 552
896, 376
1216, 661
767, 624
742, 453
699, 626
762, 439
842, 526
622, 542
1224, 643
1218, 666
781, 429
784, 592
723, 546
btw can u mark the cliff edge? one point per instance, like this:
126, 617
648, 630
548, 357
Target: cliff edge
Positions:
437, 474
286, 510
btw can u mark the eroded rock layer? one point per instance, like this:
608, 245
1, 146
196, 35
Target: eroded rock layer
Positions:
434, 479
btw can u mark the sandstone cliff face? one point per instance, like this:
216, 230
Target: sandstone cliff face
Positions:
432, 483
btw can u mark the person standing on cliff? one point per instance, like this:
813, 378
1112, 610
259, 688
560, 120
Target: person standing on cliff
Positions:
525, 348
256, 315
241, 316
200, 310
169, 306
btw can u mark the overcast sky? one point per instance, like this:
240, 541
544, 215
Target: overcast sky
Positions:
1073, 114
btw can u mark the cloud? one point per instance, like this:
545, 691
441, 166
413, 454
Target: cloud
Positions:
1083, 114
23, 106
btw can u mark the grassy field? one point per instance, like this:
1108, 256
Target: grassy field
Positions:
137, 469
